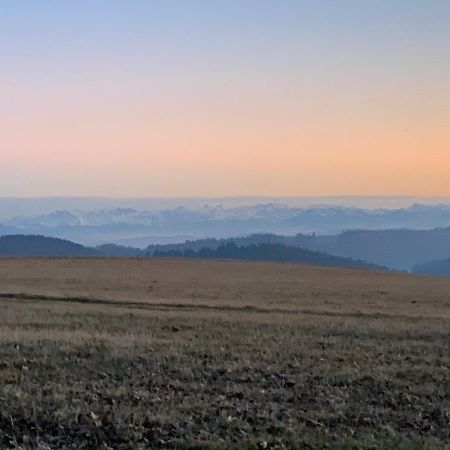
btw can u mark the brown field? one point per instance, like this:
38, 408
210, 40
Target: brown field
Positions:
120, 353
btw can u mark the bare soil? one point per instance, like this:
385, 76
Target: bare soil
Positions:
129, 354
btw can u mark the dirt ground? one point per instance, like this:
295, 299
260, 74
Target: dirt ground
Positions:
123, 353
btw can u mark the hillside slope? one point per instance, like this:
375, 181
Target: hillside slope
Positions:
267, 252
397, 249
33, 245
439, 267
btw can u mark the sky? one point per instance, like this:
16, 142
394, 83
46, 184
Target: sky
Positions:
182, 98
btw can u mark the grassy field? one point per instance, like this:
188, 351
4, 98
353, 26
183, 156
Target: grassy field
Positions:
117, 353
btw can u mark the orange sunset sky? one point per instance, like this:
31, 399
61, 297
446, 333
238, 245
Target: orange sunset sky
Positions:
234, 98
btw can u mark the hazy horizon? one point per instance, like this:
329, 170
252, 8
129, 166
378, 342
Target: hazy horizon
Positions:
44, 204
139, 222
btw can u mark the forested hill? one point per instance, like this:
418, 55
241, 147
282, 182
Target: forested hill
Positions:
440, 267
34, 245
398, 249
266, 252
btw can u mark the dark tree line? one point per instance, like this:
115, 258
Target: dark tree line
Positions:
264, 252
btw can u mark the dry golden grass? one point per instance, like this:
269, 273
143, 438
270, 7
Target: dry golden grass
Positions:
219, 354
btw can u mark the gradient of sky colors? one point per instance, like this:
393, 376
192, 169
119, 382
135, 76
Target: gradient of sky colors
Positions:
236, 97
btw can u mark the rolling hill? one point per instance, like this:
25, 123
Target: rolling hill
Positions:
33, 245
397, 249
440, 267
267, 252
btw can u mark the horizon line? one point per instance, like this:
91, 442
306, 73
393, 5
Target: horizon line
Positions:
194, 197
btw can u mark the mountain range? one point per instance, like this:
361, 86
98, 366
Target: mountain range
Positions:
401, 238
139, 228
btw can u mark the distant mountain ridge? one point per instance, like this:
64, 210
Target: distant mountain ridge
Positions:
118, 225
